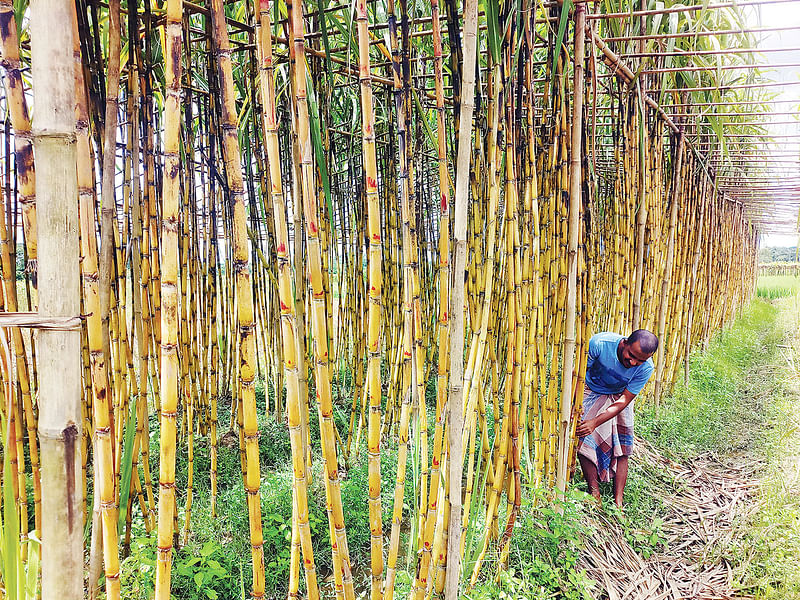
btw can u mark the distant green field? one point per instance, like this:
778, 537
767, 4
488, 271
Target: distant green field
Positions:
771, 287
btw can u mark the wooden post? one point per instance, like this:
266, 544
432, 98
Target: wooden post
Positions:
455, 400
59, 350
575, 175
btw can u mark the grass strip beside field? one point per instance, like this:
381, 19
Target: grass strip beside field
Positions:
741, 407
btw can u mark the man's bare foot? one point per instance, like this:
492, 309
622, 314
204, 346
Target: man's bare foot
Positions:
597, 497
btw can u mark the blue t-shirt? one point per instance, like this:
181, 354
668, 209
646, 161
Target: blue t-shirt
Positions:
605, 374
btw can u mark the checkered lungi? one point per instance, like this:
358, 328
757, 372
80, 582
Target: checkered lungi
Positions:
608, 441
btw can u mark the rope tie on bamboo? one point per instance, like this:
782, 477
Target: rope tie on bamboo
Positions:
35, 320
67, 138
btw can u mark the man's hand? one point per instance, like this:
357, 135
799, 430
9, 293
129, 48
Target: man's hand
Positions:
585, 428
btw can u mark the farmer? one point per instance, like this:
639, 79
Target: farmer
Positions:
616, 371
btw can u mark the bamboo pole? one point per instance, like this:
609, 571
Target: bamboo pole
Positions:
575, 201
455, 398
59, 296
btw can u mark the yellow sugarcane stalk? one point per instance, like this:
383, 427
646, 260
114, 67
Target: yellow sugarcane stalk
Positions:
244, 293
168, 308
374, 299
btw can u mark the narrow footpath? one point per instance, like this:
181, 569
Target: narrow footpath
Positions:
709, 499
728, 522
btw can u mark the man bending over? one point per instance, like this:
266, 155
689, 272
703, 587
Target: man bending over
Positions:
616, 371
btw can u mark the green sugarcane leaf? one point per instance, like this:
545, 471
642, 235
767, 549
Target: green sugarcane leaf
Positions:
492, 28
655, 25
472, 523
323, 27
32, 574
469, 565
316, 140
672, 26
421, 111
562, 28
20, 7
11, 554
127, 467
716, 125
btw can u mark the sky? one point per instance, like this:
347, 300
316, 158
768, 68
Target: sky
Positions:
781, 15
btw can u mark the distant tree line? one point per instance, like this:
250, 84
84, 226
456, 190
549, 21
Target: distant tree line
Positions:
777, 254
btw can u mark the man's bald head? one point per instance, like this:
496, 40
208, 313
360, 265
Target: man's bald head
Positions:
648, 342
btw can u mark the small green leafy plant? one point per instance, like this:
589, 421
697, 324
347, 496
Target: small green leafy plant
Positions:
546, 547
203, 575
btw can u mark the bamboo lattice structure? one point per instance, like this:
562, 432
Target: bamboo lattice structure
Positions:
329, 203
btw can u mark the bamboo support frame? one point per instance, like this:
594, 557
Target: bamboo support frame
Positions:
218, 275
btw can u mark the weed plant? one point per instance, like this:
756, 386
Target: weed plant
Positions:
215, 561
545, 549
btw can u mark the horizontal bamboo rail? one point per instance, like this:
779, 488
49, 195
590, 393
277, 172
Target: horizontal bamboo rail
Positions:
723, 52
694, 34
696, 68
726, 88
35, 320
682, 9
788, 268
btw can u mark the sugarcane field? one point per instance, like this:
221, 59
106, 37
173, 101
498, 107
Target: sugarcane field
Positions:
421, 299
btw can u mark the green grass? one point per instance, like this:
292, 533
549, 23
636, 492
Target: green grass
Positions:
723, 409
772, 287
770, 547
216, 560
543, 559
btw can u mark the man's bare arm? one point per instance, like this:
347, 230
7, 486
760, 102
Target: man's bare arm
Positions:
588, 426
